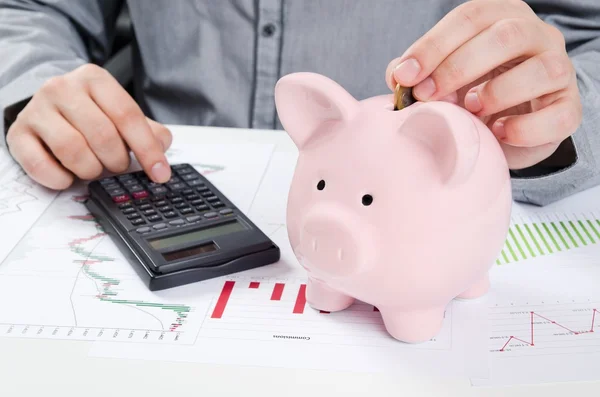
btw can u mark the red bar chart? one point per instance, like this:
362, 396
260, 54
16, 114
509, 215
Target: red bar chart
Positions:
277, 309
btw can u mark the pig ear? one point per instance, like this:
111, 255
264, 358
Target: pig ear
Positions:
309, 103
449, 134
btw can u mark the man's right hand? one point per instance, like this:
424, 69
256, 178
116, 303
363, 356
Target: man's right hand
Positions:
79, 124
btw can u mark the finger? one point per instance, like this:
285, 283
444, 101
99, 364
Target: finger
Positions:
541, 75
452, 31
504, 41
130, 121
548, 125
162, 133
519, 157
100, 133
41, 166
67, 144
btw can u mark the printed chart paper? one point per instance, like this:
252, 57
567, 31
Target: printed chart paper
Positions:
22, 201
65, 278
544, 324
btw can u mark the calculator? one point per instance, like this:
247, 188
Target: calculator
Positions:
179, 232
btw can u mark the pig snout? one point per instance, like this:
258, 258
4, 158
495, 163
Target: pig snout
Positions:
329, 243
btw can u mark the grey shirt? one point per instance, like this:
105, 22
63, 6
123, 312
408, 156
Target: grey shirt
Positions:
216, 62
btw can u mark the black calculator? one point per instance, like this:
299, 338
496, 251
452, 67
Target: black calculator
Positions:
179, 232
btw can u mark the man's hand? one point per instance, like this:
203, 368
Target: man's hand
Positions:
501, 62
82, 122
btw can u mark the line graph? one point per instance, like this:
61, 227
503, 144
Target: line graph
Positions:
538, 235
534, 314
551, 328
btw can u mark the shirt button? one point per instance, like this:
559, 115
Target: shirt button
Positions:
268, 30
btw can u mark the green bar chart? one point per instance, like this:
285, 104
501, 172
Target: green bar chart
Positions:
548, 234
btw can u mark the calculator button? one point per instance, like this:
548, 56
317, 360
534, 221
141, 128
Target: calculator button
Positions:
179, 166
187, 191
159, 190
171, 195
207, 194
116, 192
143, 230
193, 218
133, 216
183, 171
177, 222
160, 202
192, 197
226, 211
180, 205
164, 208
217, 204
212, 199
134, 188
169, 214
177, 186
211, 215
202, 207
202, 188
194, 183
124, 205
197, 202
140, 195
141, 202
106, 181
130, 182
145, 206
187, 210
121, 199
137, 221
128, 210
150, 185
149, 212
173, 179
111, 186
159, 226
190, 177
154, 218
125, 177
176, 200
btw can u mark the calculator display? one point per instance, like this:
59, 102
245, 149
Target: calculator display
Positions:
186, 238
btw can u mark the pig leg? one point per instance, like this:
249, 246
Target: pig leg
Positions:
321, 297
478, 289
413, 326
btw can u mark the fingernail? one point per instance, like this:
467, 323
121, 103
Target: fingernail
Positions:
472, 102
407, 71
425, 89
160, 172
498, 129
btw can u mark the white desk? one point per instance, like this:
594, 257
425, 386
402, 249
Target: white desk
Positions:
40, 367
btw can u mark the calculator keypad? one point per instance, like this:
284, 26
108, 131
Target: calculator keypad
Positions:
153, 206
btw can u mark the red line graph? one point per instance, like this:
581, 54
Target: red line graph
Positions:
532, 314
277, 291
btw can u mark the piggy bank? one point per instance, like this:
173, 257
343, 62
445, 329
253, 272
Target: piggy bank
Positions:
402, 209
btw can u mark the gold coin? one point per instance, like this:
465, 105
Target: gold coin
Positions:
403, 97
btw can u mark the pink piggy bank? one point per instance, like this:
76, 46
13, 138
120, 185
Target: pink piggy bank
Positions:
405, 210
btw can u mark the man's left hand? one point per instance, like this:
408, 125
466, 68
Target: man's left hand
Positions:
501, 62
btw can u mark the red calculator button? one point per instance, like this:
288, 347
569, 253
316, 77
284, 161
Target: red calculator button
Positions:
122, 198
140, 195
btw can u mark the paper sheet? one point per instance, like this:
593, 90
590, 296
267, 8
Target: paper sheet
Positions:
65, 279
544, 323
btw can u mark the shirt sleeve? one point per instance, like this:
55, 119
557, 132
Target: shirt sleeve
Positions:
580, 24
43, 39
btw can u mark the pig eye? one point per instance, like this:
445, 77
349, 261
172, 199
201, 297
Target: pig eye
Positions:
321, 185
367, 200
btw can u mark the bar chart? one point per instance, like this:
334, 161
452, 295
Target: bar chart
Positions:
538, 235
270, 309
